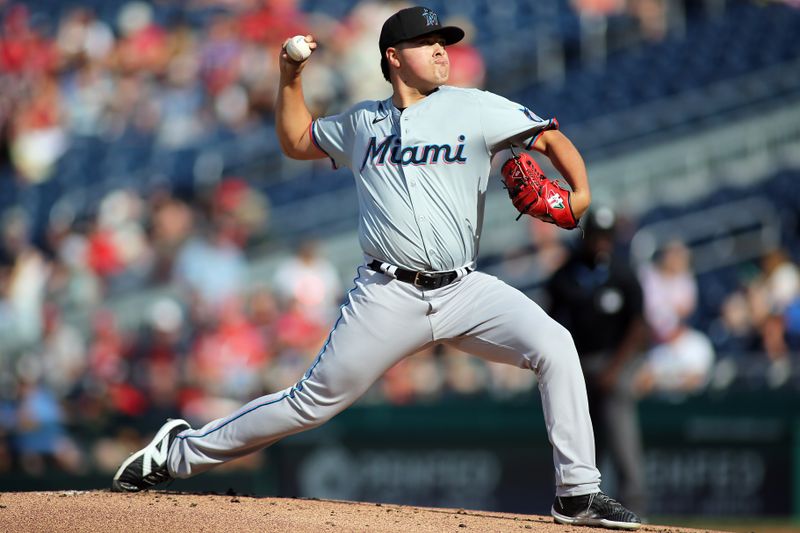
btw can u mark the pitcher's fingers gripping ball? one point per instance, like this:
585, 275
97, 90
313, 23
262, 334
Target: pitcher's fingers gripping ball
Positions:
532, 193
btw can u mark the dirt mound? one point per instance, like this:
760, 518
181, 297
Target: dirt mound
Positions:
161, 511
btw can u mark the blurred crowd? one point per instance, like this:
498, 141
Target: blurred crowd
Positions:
175, 73
220, 340
156, 75
762, 315
166, 75
200, 353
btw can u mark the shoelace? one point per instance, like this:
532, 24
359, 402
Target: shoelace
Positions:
614, 506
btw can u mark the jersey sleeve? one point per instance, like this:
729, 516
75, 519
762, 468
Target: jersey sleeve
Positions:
334, 136
506, 123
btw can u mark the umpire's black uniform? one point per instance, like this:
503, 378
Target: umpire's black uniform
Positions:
598, 298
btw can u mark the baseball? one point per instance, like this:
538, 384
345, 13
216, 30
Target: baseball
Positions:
297, 48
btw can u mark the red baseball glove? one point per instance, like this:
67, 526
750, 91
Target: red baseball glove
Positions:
532, 193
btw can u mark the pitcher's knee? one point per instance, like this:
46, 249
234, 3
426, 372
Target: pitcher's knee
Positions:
557, 348
312, 410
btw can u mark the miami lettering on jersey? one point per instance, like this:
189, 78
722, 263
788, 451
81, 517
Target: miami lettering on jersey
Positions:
427, 154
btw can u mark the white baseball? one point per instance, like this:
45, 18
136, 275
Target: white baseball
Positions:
297, 48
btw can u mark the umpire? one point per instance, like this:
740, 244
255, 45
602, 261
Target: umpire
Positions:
597, 297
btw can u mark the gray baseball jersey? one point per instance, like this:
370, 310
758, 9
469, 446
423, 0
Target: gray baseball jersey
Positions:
421, 173
421, 177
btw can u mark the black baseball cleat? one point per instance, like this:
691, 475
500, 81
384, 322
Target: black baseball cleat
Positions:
148, 466
594, 509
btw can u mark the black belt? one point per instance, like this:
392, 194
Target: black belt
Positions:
423, 280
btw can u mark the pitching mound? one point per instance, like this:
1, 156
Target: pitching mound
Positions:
161, 511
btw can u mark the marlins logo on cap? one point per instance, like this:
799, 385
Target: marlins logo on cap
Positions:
413, 22
431, 18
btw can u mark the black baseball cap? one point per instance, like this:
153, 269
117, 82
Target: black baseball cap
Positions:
414, 22
600, 221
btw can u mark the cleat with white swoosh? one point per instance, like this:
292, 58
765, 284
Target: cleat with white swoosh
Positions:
595, 509
148, 466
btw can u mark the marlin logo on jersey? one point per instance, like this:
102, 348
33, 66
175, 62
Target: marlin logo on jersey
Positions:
426, 154
527, 113
431, 18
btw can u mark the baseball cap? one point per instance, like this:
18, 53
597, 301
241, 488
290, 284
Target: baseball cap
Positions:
413, 22
600, 221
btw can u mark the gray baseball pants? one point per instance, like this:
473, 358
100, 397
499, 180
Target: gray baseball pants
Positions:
385, 320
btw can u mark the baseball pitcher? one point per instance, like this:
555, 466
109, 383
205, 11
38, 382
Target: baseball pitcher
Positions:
421, 162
